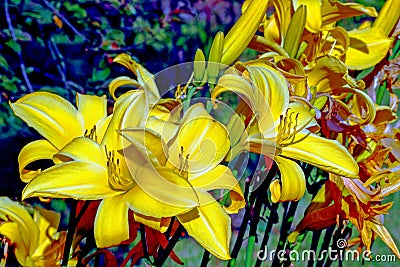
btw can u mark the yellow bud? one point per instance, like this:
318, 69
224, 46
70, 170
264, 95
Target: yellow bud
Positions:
214, 58
199, 70
388, 16
295, 31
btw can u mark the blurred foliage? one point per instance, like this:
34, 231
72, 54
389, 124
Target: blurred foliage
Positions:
68, 46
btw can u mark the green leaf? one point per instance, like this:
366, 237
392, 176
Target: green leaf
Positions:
78, 11
100, 75
3, 62
140, 38
14, 45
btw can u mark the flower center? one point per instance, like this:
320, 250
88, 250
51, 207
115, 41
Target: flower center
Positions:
183, 164
116, 180
287, 128
91, 134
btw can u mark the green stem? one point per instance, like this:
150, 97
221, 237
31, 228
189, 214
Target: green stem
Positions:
380, 93
249, 251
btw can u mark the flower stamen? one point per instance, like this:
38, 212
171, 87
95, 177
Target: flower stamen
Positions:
115, 179
183, 164
289, 127
92, 134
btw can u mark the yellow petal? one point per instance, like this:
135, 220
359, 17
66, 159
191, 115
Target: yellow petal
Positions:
210, 226
325, 154
204, 141
73, 179
93, 109
14, 211
243, 30
333, 11
297, 74
82, 149
120, 82
52, 116
274, 87
152, 195
159, 224
111, 225
388, 16
36, 150
292, 184
363, 105
221, 177
130, 111
279, 22
144, 77
327, 74
314, 17
148, 143
51, 218
385, 235
367, 48
47, 222
11, 230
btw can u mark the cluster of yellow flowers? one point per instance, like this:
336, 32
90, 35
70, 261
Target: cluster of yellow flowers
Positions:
162, 159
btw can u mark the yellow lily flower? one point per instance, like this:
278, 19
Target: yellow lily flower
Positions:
89, 170
243, 30
362, 207
105, 176
278, 123
189, 166
58, 121
321, 15
35, 239
327, 74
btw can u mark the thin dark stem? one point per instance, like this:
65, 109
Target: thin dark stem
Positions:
285, 229
70, 233
205, 259
63, 19
14, 38
171, 244
252, 213
243, 225
272, 219
144, 242
90, 243
314, 245
72, 223
325, 245
170, 226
